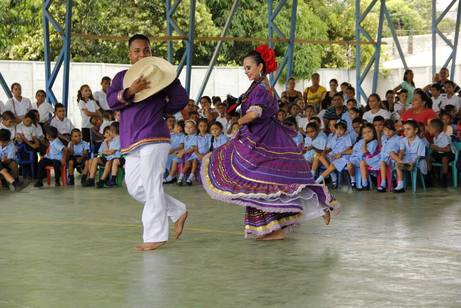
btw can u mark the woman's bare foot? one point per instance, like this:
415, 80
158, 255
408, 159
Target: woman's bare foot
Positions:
179, 224
326, 217
149, 246
274, 236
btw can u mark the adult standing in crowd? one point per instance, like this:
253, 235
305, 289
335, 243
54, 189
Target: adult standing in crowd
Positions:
101, 96
291, 95
313, 94
18, 104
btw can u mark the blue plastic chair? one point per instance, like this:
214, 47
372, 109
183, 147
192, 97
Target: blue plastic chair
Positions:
414, 176
26, 158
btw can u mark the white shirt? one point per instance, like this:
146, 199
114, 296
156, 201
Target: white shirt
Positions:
28, 131
101, 98
45, 110
19, 108
223, 121
104, 124
12, 130
302, 122
64, 127
369, 116
455, 100
39, 131
437, 102
91, 106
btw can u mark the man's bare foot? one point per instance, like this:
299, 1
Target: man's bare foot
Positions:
179, 224
274, 236
149, 246
326, 217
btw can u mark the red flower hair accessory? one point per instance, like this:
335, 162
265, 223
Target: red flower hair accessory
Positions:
269, 57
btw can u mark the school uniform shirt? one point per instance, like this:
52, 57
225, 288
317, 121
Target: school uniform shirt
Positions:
347, 118
357, 153
177, 140
338, 145
455, 100
39, 131
29, 132
354, 136
319, 143
331, 141
91, 106
437, 102
63, 126
369, 116
104, 124
189, 142
442, 140
80, 148
19, 108
12, 130
223, 121
219, 141
203, 143
101, 98
114, 144
372, 157
298, 139
55, 150
302, 122
412, 151
390, 145
8, 151
45, 110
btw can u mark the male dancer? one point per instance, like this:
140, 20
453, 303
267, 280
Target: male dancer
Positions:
145, 139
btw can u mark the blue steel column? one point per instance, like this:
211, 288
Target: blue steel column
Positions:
190, 45
169, 31
64, 54
456, 40
5, 87
434, 37
218, 48
291, 43
358, 52
378, 47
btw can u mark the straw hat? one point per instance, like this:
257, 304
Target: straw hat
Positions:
158, 71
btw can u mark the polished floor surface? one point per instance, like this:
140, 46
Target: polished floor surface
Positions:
74, 247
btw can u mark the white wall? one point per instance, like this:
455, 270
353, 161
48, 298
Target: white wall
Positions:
223, 80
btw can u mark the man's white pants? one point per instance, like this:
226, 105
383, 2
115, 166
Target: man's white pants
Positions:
144, 171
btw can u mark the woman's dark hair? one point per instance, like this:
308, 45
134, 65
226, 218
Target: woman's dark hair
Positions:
370, 126
256, 56
405, 78
333, 80
389, 124
137, 37
425, 98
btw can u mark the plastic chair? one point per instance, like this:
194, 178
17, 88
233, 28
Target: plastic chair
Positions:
29, 161
454, 170
414, 176
48, 170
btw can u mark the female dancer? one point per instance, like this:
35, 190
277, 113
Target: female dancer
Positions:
261, 168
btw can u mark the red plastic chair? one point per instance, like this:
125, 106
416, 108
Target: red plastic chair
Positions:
48, 170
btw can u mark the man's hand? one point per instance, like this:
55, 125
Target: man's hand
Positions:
138, 85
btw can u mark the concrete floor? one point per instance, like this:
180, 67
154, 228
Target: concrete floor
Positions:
73, 247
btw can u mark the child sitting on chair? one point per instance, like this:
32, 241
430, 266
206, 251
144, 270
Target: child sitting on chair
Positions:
8, 166
79, 153
55, 156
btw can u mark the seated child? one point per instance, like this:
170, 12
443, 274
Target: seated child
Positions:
9, 123
411, 149
442, 150
314, 143
390, 147
177, 145
218, 137
187, 154
62, 123
370, 150
108, 117
79, 153
26, 133
203, 146
56, 157
298, 138
8, 165
336, 154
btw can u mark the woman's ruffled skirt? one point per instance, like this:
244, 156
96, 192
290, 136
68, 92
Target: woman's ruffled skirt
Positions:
274, 184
